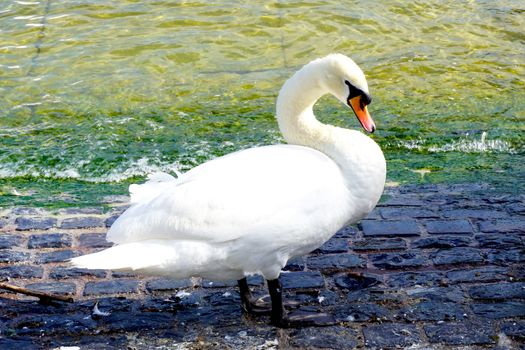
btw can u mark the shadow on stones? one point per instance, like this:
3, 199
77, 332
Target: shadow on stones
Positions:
356, 281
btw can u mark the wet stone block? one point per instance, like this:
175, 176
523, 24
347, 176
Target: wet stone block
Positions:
379, 244
390, 228
9, 241
430, 310
499, 310
346, 232
357, 282
65, 272
501, 198
75, 211
111, 287
448, 226
328, 297
92, 341
516, 208
112, 304
218, 284
314, 314
407, 213
19, 343
115, 199
334, 245
361, 295
124, 322
167, 284
153, 304
355, 312
406, 279
463, 189
443, 294
457, 256
374, 214
474, 213
514, 329
223, 299
460, 333
8, 256
299, 299
25, 224
82, 222
21, 271
503, 226
403, 201
398, 260
56, 256
516, 272
210, 315
111, 220
62, 288
26, 211
53, 325
49, 240
324, 338
442, 242
337, 261
21, 307
93, 240
302, 279
499, 241
498, 291
255, 280
506, 257
123, 274
477, 275
295, 264
194, 298
391, 336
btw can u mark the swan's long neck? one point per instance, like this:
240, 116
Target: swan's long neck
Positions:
296, 118
295, 115
360, 159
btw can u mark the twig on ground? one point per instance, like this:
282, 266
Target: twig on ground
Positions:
44, 297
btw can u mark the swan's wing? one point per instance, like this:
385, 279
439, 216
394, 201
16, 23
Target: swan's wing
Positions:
242, 193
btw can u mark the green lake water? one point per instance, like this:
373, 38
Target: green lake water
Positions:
94, 95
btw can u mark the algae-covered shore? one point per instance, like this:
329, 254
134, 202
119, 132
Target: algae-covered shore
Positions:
94, 97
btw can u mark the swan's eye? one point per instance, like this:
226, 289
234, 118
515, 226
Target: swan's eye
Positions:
354, 92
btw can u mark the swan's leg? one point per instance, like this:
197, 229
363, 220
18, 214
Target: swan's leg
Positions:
276, 295
297, 319
249, 303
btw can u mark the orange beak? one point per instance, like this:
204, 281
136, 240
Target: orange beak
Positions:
362, 114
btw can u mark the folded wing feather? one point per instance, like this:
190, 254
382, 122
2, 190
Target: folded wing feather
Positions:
231, 196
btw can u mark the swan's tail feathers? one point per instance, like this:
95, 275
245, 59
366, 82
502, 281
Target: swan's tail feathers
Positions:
157, 183
129, 256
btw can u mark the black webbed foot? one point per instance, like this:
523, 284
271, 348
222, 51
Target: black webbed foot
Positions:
298, 318
250, 304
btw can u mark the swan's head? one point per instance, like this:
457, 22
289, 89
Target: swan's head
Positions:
345, 80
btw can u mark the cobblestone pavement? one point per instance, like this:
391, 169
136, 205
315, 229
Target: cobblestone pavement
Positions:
434, 267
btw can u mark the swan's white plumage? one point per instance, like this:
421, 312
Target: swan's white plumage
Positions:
156, 184
252, 210
219, 202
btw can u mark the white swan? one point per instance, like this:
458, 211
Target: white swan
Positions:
250, 211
